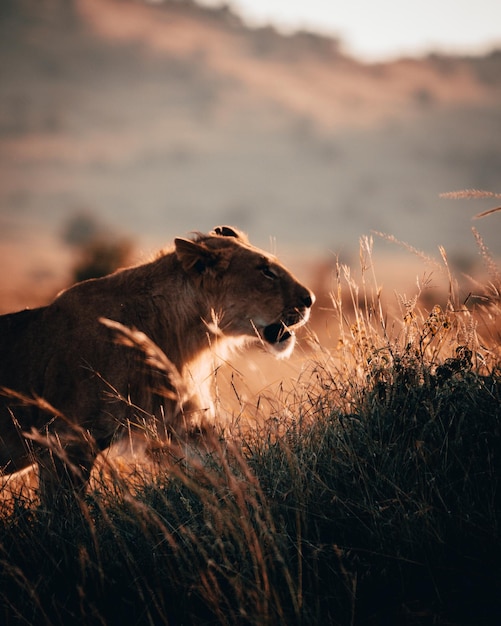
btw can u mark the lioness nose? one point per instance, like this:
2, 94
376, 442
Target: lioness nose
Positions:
308, 299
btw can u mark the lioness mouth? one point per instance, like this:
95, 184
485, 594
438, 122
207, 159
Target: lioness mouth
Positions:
277, 333
280, 336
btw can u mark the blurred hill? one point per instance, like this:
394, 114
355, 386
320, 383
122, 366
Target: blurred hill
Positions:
166, 118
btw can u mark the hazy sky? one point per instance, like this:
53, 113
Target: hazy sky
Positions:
382, 29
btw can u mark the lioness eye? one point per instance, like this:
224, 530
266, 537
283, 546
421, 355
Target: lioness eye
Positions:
268, 272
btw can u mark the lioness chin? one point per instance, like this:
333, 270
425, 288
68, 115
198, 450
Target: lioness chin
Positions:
65, 379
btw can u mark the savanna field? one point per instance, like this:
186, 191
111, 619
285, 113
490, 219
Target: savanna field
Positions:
356, 483
359, 484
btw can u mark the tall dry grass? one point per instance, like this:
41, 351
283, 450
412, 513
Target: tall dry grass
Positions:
368, 493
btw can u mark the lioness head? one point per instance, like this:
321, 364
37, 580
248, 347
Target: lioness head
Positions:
250, 293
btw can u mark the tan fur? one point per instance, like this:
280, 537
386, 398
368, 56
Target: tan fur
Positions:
195, 301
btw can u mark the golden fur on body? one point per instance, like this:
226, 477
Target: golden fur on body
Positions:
204, 296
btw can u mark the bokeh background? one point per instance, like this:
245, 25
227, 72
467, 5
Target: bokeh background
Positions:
129, 123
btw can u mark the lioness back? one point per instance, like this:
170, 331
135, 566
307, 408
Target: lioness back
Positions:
205, 295
20, 340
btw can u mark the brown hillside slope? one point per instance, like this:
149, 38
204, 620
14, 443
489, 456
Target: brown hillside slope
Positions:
160, 119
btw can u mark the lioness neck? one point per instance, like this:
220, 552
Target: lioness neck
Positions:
184, 325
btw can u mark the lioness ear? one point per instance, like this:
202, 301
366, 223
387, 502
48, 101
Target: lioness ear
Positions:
196, 256
229, 231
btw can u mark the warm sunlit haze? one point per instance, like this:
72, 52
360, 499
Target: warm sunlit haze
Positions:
307, 125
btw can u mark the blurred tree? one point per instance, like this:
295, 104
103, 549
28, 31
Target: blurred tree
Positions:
100, 257
99, 253
81, 228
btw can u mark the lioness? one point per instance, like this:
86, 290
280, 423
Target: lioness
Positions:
65, 380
